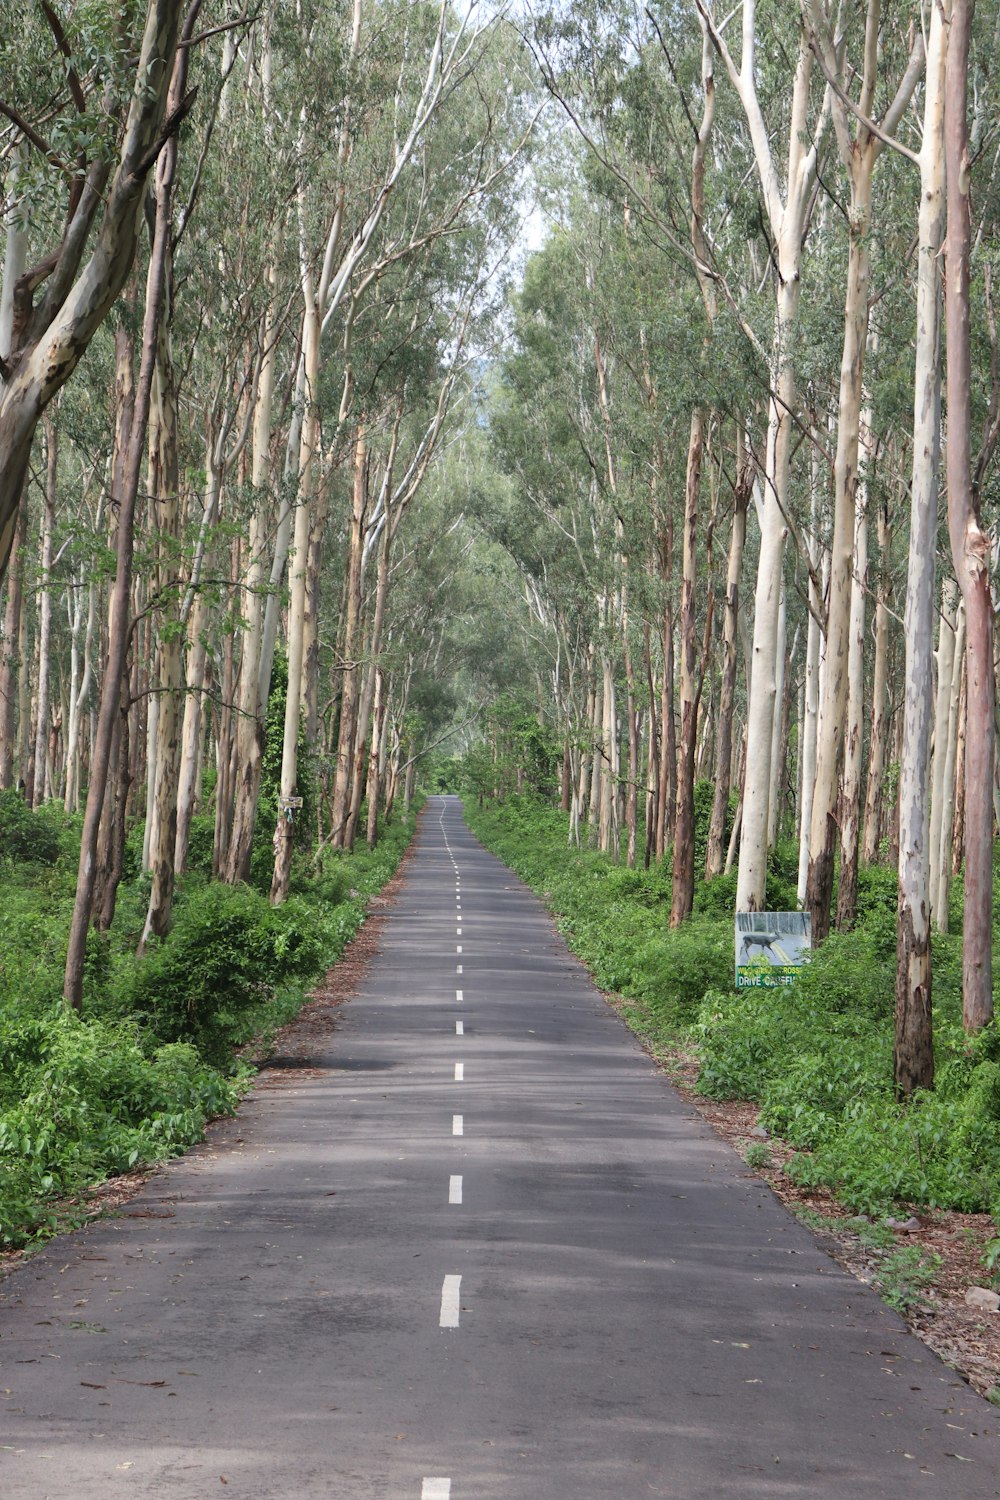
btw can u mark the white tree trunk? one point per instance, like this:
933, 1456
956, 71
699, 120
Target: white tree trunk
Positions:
774, 790
913, 1051
940, 791
39, 785
309, 460
941, 889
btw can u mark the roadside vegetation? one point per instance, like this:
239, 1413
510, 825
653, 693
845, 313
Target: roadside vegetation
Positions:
815, 1055
160, 1043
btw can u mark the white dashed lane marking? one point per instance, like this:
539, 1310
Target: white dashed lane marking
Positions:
454, 1189
436, 1489
459, 1028
459, 995
458, 1124
450, 1293
460, 1072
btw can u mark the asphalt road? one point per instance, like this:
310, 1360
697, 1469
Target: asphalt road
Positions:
485, 1253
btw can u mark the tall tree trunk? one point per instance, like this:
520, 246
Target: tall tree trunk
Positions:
122, 768
751, 893
119, 625
11, 665
941, 883
823, 813
49, 339
164, 497
811, 695
308, 481
682, 896
970, 545
376, 759
859, 143
652, 745
850, 817
941, 790
360, 782
879, 715
39, 787
787, 221
777, 765
668, 738
716, 853
350, 642
913, 1056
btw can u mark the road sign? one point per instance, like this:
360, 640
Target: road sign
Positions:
771, 947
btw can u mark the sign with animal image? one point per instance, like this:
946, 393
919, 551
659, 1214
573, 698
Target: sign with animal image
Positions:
771, 947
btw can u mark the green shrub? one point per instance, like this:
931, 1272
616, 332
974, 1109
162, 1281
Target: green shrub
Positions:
201, 843
675, 970
905, 1274
220, 965
26, 836
716, 897
82, 1100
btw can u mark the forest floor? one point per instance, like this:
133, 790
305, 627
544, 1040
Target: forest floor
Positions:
966, 1338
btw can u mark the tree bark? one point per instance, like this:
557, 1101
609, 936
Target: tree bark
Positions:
850, 804
970, 545
950, 728
682, 897
39, 789
118, 628
49, 339
879, 717
308, 480
913, 1056
716, 853
940, 786
11, 665
350, 641
823, 813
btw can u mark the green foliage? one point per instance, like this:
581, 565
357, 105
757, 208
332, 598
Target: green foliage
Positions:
84, 1099
209, 981
518, 755
817, 1056
201, 844
134, 1077
26, 836
905, 1275
758, 1155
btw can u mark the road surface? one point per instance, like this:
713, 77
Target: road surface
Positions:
482, 1252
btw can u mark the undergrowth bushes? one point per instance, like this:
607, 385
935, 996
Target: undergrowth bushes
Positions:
152, 1055
816, 1055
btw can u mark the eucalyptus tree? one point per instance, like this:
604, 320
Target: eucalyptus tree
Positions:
913, 1051
786, 194
971, 545
111, 130
861, 133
